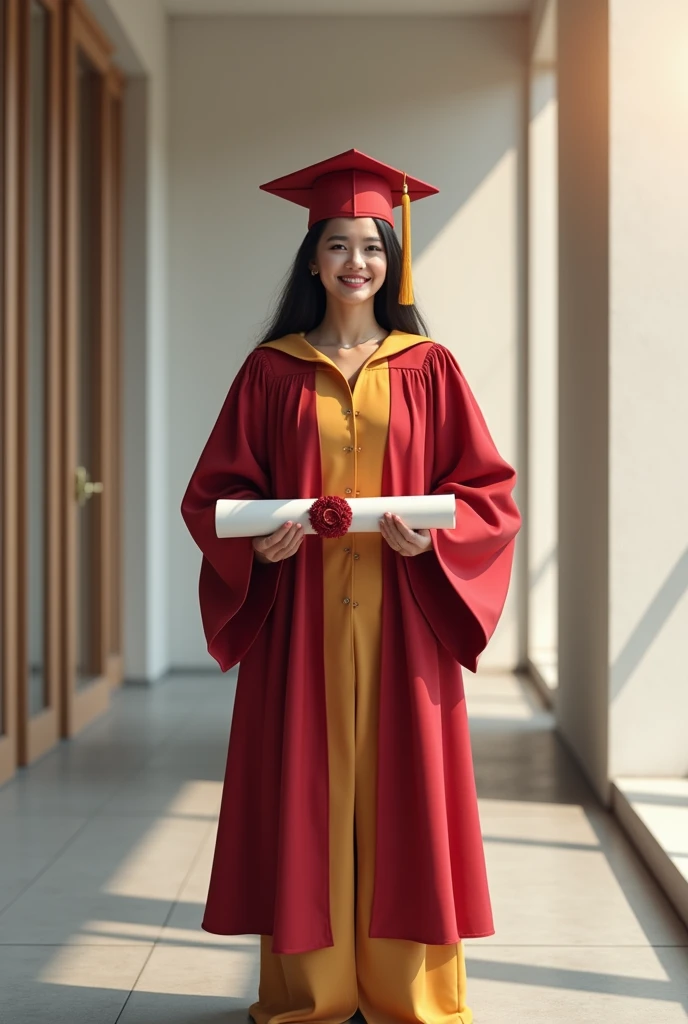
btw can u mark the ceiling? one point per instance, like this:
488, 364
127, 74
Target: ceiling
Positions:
347, 7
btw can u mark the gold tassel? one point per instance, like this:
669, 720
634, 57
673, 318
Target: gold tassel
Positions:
406, 283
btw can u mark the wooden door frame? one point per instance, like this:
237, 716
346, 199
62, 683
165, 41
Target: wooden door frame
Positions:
115, 660
9, 239
37, 733
25, 737
83, 33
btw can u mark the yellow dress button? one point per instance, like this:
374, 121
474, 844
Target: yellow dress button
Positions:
356, 556
359, 449
348, 490
355, 604
347, 412
347, 550
347, 448
346, 601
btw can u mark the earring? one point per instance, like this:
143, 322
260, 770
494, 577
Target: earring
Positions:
314, 272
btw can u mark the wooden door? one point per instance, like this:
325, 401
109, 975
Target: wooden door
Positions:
91, 507
9, 348
60, 379
39, 379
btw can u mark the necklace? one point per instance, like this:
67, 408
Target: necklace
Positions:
354, 345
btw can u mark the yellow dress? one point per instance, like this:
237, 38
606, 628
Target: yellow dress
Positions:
389, 980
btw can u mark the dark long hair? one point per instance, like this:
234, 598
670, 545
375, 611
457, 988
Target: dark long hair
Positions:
301, 304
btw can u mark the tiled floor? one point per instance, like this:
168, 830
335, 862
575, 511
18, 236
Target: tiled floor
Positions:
105, 850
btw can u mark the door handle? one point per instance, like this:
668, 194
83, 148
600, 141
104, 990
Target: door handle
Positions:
85, 488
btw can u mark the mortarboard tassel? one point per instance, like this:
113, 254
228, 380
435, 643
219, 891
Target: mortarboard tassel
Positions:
406, 283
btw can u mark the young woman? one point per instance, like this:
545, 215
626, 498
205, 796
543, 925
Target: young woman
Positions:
349, 836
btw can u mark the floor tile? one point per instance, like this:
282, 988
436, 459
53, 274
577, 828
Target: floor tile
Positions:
112, 836
119, 872
552, 890
577, 985
28, 847
67, 985
195, 984
152, 793
184, 922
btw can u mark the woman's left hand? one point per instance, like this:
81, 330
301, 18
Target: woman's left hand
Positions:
401, 538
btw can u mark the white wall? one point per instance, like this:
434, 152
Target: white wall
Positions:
623, 533
542, 375
255, 98
648, 297
139, 32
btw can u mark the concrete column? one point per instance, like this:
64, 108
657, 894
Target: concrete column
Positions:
623, 369
542, 374
583, 382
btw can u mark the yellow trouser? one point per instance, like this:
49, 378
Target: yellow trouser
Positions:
390, 980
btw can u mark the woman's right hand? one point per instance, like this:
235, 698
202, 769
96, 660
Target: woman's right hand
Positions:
283, 543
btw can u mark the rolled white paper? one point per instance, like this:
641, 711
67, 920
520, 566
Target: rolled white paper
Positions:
258, 517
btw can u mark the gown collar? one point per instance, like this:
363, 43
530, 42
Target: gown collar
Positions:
296, 345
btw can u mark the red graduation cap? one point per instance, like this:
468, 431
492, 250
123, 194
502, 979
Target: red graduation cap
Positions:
353, 184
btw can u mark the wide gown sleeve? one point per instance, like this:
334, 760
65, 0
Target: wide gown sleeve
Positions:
236, 591
461, 585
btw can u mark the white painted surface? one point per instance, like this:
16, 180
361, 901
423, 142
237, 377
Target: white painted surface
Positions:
648, 486
654, 812
543, 383
353, 8
254, 98
543, 32
623, 700
139, 31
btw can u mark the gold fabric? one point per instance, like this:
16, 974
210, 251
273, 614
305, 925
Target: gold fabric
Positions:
390, 980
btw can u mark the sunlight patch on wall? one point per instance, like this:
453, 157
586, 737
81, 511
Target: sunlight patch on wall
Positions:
468, 276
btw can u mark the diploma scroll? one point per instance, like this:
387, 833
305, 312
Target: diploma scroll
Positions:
258, 518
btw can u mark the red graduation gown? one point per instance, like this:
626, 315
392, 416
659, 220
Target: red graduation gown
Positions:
270, 873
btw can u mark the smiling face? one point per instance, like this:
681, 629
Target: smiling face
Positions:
351, 259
